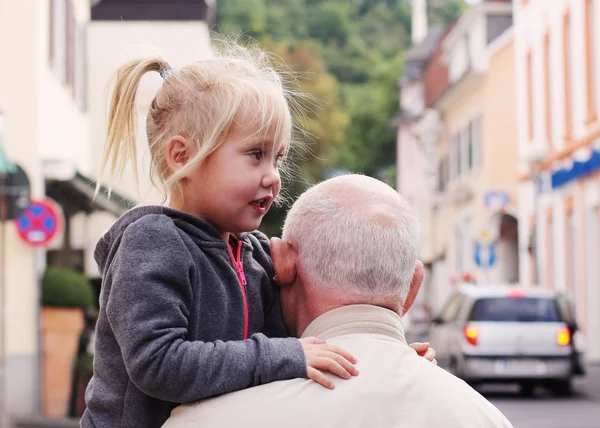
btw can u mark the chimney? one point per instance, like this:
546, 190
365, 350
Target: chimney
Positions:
419, 21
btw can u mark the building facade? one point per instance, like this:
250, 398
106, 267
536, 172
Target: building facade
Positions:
44, 127
557, 55
472, 208
58, 56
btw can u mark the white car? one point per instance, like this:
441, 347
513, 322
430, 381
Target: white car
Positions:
509, 334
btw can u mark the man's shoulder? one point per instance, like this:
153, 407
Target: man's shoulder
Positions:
390, 371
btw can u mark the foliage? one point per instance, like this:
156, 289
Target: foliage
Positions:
65, 288
348, 54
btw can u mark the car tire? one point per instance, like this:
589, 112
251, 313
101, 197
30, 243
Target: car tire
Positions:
527, 388
562, 387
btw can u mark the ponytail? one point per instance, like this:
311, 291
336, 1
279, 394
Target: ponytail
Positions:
120, 145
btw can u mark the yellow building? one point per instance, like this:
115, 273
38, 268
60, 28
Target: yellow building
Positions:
474, 215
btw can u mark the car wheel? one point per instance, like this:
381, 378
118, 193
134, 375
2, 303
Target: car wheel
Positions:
527, 388
453, 367
562, 387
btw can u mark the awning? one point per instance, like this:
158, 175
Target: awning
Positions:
76, 194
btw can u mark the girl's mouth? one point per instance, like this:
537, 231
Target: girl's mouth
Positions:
260, 205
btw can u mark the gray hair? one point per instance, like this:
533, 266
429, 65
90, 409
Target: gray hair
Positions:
338, 246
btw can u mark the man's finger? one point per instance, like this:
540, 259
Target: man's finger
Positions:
319, 377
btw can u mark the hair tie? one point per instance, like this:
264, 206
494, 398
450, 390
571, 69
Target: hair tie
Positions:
165, 72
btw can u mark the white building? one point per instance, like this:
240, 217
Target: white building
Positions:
57, 56
557, 48
42, 95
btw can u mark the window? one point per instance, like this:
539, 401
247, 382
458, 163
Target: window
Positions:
465, 139
589, 60
515, 309
571, 250
530, 119
442, 173
452, 309
69, 35
549, 253
67, 49
567, 74
80, 84
58, 48
470, 139
477, 137
458, 153
458, 247
548, 89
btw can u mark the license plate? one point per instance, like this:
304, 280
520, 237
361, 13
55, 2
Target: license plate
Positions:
520, 366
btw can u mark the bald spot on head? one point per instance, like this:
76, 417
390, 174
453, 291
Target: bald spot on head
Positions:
365, 197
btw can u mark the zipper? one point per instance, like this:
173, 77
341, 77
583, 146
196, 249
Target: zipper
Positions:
239, 269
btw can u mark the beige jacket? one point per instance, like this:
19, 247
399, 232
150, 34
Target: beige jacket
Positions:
395, 387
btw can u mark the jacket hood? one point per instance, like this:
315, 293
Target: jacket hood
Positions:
199, 230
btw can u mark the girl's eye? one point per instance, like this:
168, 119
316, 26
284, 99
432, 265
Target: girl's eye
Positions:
256, 154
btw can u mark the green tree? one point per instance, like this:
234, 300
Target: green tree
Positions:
247, 16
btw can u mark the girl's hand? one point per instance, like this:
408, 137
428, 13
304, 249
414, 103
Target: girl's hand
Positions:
425, 350
321, 356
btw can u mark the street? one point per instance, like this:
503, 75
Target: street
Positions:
582, 410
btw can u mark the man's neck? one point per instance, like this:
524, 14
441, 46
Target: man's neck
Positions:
317, 305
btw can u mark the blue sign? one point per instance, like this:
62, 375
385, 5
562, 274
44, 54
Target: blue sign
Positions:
495, 199
485, 255
578, 170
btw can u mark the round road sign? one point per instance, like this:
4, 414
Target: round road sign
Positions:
40, 223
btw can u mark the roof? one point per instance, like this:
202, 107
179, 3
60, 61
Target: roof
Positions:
152, 10
79, 194
418, 55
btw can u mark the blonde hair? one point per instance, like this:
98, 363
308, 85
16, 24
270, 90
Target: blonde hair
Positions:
199, 101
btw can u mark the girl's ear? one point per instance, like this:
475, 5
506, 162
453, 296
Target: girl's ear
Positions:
178, 153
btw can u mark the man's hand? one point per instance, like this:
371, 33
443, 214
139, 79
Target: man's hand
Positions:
321, 356
425, 350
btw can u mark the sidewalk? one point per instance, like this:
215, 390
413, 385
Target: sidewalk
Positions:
590, 383
46, 423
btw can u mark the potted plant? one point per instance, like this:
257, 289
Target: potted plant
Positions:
66, 294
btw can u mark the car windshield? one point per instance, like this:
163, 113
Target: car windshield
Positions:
509, 309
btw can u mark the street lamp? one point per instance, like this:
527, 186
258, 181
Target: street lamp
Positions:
535, 156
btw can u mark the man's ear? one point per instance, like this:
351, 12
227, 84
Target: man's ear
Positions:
415, 285
284, 262
177, 153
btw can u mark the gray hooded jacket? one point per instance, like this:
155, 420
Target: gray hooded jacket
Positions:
173, 316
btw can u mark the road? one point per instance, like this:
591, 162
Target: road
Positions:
542, 410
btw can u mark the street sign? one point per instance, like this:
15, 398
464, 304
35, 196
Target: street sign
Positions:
495, 199
14, 191
485, 255
40, 223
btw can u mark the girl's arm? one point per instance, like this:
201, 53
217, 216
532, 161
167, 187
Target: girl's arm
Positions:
148, 308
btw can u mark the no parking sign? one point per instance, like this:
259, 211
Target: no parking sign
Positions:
40, 223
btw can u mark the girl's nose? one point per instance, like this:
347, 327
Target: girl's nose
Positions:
271, 177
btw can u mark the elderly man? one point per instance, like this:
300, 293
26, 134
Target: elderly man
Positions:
348, 265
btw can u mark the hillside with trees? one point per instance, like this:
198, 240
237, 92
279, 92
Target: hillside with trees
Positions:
349, 55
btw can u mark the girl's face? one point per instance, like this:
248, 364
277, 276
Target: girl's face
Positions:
235, 186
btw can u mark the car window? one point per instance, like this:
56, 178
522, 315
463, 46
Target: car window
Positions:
509, 309
452, 309
566, 309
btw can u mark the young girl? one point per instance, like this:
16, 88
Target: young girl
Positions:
187, 303
188, 309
